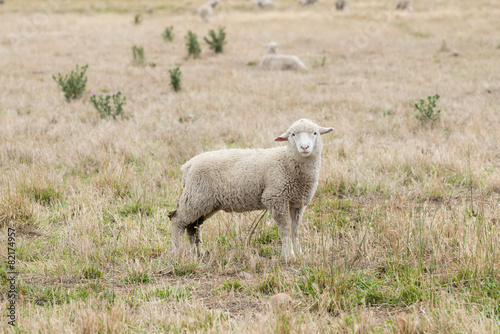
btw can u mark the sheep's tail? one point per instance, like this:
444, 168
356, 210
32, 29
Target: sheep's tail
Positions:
254, 225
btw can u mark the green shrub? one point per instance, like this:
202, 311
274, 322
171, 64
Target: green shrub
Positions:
216, 41
322, 63
73, 84
426, 110
138, 53
103, 104
175, 78
168, 34
192, 45
138, 18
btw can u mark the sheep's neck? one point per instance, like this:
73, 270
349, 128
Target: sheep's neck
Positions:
307, 167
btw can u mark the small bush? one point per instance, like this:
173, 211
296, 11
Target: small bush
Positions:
426, 110
192, 45
73, 84
103, 104
138, 54
168, 35
321, 63
138, 18
175, 78
216, 41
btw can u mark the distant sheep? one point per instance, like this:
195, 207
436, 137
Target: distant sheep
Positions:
341, 5
205, 11
404, 5
265, 4
273, 61
281, 179
307, 2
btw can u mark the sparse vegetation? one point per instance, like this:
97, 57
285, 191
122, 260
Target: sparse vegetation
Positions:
138, 55
175, 78
215, 40
321, 63
402, 235
168, 34
192, 45
73, 84
427, 110
138, 18
109, 105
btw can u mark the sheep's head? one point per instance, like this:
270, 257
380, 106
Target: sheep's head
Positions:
214, 3
303, 136
272, 47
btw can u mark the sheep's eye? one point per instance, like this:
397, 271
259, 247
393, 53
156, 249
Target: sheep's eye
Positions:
315, 133
293, 134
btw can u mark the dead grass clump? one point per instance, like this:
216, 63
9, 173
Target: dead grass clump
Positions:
16, 209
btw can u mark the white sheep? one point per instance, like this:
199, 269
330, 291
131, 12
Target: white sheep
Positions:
341, 5
404, 5
281, 179
307, 2
273, 61
206, 10
265, 4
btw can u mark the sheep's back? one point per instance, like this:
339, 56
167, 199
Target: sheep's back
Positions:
236, 177
282, 62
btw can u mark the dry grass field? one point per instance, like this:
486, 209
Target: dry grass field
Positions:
403, 233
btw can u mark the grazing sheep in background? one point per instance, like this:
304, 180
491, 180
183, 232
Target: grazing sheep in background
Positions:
341, 5
206, 10
273, 61
281, 179
265, 4
404, 5
307, 2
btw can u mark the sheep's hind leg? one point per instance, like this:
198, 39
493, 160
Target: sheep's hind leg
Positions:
194, 235
177, 234
181, 222
296, 216
282, 218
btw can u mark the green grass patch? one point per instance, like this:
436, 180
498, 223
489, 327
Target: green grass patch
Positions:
136, 277
173, 293
231, 285
91, 272
55, 295
183, 269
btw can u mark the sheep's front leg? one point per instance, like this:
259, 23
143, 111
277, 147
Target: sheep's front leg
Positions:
296, 215
281, 216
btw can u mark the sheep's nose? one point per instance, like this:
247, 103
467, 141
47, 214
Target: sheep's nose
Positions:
304, 147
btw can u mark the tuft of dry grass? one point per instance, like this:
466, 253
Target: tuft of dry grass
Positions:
401, 237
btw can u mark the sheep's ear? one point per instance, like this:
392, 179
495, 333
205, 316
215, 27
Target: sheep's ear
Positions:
323, 130
283, 137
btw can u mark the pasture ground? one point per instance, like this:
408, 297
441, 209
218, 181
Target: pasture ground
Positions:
403, 233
